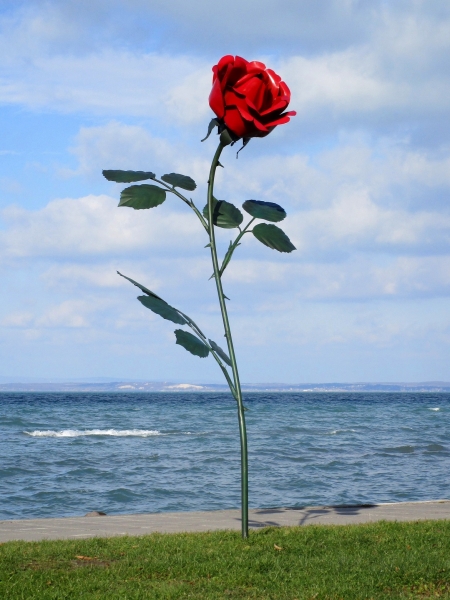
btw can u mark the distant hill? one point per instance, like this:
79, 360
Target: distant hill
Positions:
104, 385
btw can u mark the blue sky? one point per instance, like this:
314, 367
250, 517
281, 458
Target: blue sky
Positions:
363, 172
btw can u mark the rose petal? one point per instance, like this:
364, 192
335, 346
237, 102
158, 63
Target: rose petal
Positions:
235, 92
283, 119
239, 70
227, 73
255, 66
278, 106
234, 122
243, 79
224, 61
216, 99
232, 99
274, 76
286, 91
259, 125
240, 63
254, 90
244, 113
271, 85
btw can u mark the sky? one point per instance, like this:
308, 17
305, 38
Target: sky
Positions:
363, 172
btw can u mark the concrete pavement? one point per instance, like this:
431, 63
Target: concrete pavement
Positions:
142, 524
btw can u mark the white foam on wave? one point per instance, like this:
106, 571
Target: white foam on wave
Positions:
434, 409
336, 431
71, 433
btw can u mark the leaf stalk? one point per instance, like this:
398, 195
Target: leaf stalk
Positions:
190, 203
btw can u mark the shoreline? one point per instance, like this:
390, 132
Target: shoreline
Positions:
202, 521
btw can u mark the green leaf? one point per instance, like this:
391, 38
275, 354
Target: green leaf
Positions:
181, 181
128, 176
191, 343
161, 308
213, 123
227, 257
273, 237
141, 287
225, 214
245, 141
220, 352
142, 196
269, 211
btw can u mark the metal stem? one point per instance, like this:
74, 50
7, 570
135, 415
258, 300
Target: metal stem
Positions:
226, 325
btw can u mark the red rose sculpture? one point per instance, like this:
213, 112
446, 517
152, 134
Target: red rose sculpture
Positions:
248, 98
249, 101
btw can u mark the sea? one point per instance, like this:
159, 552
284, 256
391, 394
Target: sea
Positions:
66, 454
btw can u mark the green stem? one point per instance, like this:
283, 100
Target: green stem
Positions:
233, 247
196, 329
226, 325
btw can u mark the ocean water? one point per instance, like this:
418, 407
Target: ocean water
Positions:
64, 454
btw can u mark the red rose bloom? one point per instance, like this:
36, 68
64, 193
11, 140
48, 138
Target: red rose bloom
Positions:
248, 98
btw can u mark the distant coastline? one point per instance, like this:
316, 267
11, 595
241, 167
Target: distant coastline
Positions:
165, 386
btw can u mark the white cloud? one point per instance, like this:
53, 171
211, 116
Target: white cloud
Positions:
344, 81
50, 60
355, 162
400, 67
353, 198
103, 275
71, 313
355, 222
251, 272
66, 26
361, 277
111, 82
17, 319
92, 226
119, 146
364, 279
395, 72
185, 102
363, 171
29, 30
395, 175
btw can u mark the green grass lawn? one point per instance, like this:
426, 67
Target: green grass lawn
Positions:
381, 560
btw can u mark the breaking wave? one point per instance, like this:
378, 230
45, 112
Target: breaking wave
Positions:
71, 433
